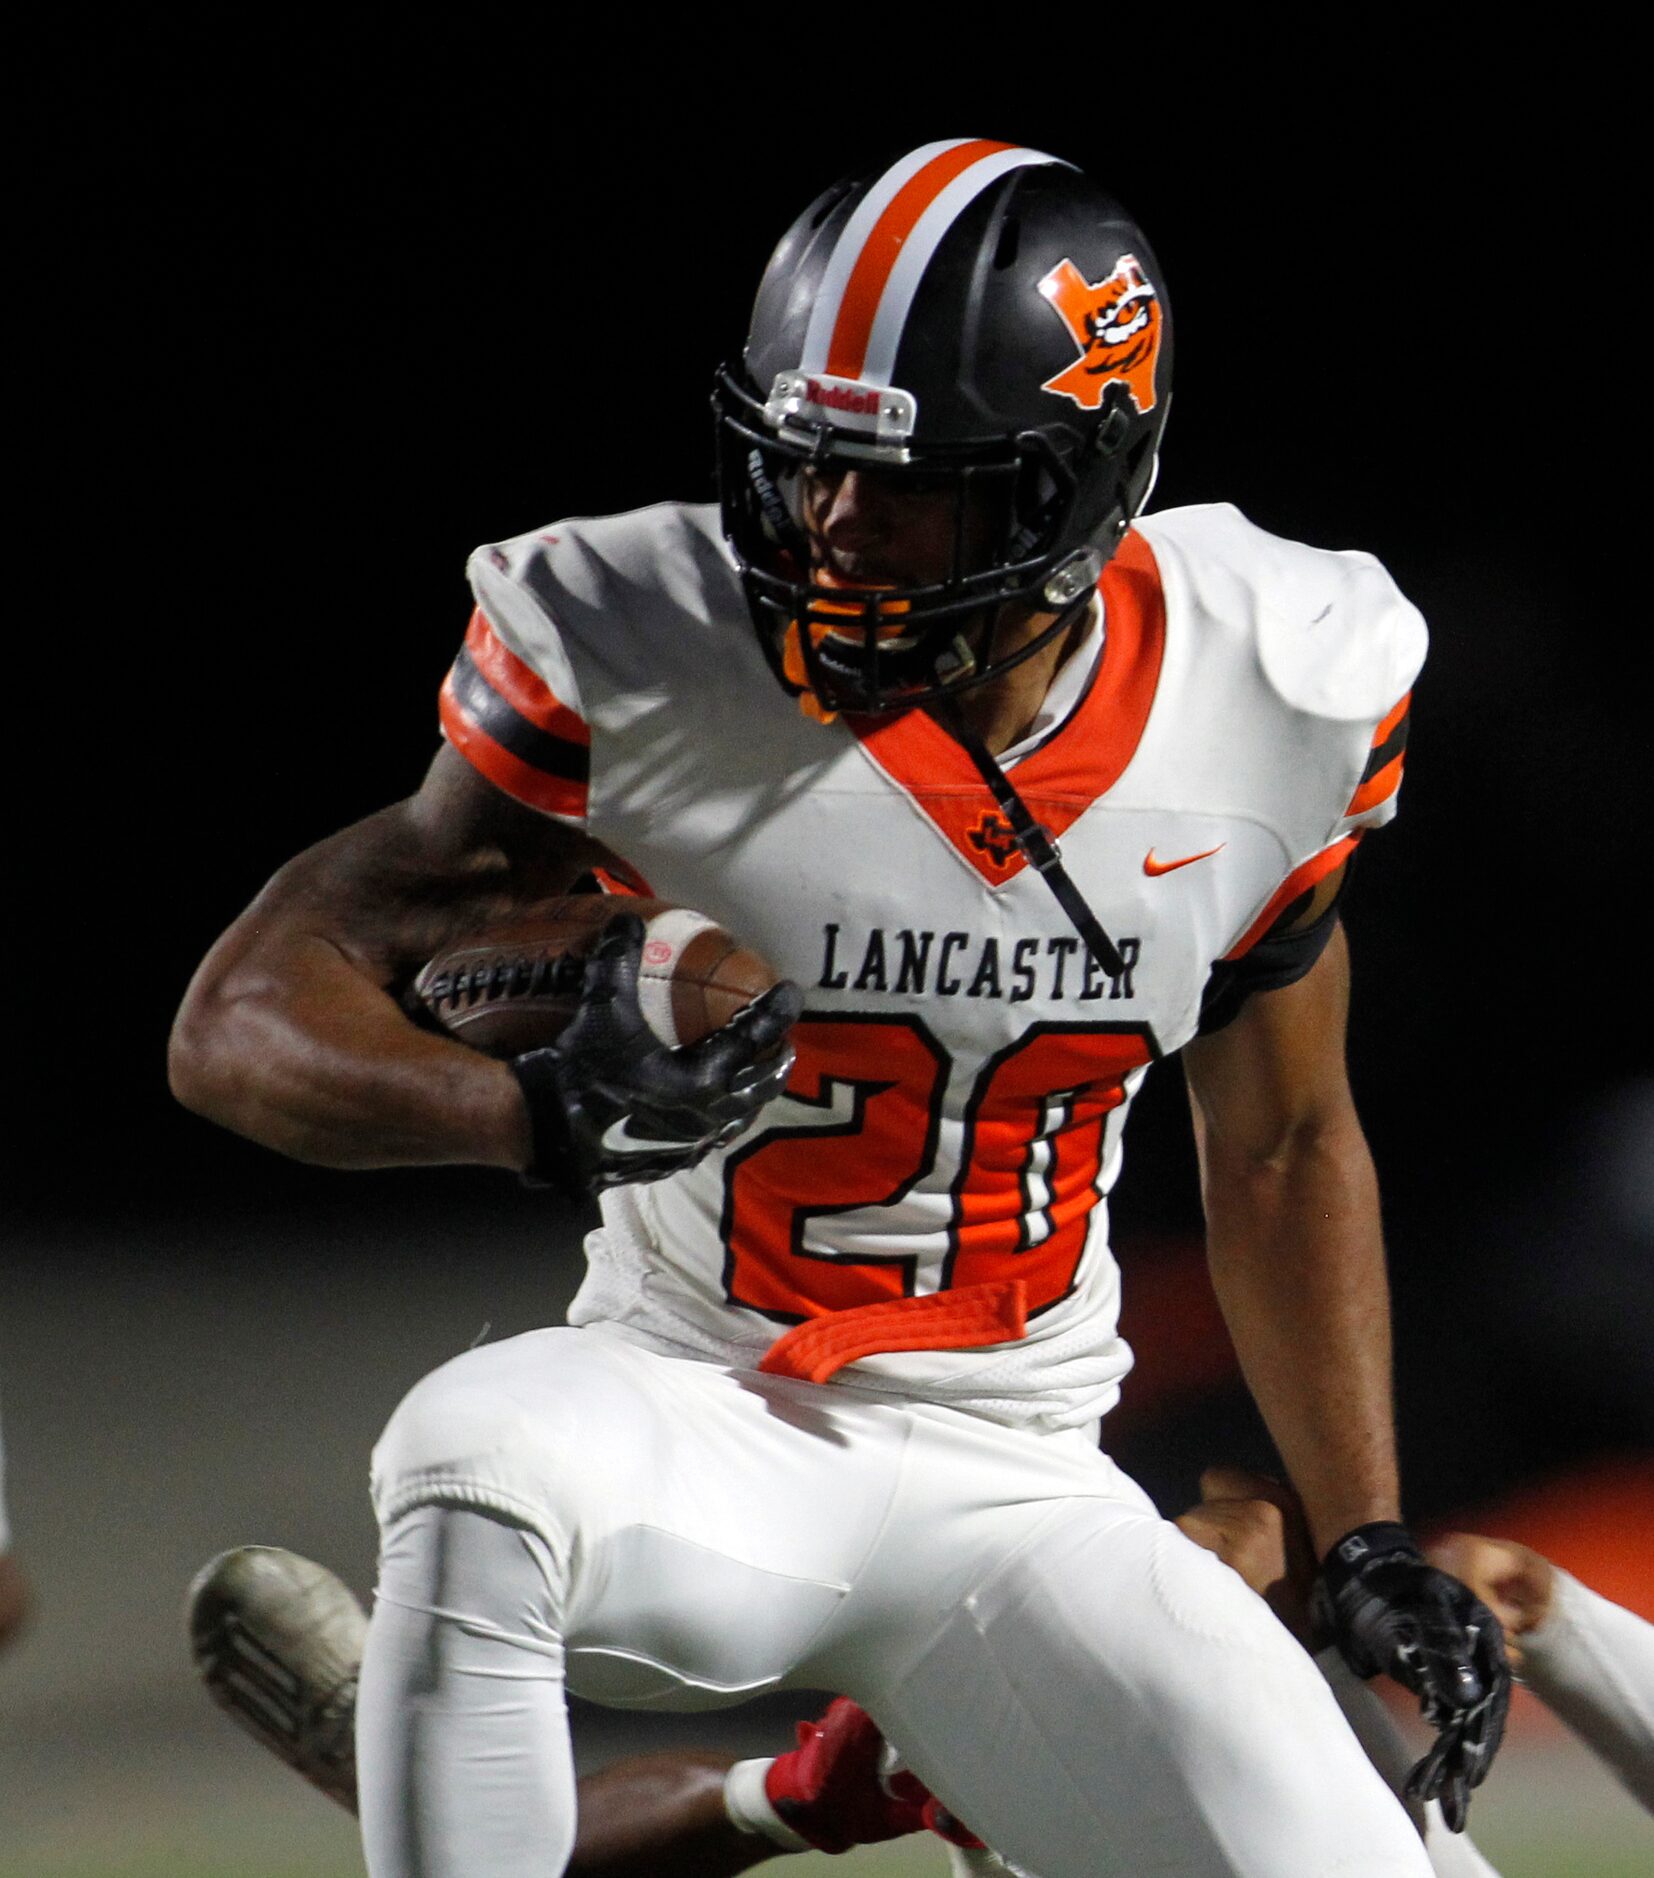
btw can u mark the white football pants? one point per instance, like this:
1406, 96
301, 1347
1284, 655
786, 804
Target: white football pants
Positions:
1063, 1668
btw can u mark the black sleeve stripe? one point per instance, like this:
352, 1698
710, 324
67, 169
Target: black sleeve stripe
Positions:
1278, 960
1388, 750
480, 702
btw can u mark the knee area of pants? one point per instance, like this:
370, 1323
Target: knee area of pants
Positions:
462, 1431
448, 1413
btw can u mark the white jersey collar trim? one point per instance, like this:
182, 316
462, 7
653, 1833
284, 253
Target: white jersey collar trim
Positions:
1068, 689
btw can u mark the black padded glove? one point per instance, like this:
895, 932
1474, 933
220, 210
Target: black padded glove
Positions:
610, 1103
1387, 1609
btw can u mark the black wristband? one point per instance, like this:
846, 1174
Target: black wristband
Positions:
1379, 1538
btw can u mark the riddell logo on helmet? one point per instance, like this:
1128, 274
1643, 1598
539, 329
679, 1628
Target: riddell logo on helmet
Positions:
842, 398
1116, 324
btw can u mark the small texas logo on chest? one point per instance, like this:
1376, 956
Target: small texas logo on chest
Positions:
992, 835
1116, 323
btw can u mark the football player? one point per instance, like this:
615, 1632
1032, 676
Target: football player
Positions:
1026, 793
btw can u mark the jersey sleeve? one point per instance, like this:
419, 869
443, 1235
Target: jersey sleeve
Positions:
1374, 800
510, 703
1341, 647
1372, 803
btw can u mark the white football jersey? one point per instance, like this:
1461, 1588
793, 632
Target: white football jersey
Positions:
937, 1172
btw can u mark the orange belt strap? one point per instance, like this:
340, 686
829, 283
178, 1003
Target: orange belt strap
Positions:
946, 1320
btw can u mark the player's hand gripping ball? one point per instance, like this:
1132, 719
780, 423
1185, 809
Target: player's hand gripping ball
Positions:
1388, 1609
643, 1035
517, 986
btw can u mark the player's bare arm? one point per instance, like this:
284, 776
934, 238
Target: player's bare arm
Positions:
1295, 1242
291, 1032
1297, 1259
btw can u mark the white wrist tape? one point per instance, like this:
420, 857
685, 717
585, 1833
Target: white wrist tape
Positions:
749, 1809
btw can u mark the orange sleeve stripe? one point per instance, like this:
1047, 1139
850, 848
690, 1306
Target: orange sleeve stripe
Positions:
1299, 881
523, 689
1376, 788
553, 795
1395, 717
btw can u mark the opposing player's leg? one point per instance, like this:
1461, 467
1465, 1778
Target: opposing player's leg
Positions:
278, 1643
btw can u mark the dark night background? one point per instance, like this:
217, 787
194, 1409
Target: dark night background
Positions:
318, 316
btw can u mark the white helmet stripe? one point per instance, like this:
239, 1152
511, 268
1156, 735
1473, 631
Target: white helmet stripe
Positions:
896, 302
824, 314
873, 273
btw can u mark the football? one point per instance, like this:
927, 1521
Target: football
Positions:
516, 986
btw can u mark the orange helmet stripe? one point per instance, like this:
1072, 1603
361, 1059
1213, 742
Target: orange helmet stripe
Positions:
847, 351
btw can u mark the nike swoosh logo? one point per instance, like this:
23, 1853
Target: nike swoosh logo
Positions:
619, 1139
1151, 866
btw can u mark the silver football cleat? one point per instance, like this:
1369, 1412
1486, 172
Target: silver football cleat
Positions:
278, 1641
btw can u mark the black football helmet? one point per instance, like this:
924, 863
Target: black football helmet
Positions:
977, 317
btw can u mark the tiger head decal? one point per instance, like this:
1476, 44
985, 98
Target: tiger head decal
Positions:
1116, 324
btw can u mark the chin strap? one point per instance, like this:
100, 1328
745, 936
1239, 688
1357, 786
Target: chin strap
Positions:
1035, 843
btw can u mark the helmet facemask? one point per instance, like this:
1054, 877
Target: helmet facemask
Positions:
1020, 546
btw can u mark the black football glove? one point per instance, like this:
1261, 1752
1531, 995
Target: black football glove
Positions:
610, 1103
1387, 1609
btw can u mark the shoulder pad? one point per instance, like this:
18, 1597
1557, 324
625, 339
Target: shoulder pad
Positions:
571, 582
584, 555
1335, 637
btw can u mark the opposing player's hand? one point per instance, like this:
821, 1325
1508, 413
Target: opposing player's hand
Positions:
1256, 1526
610, 1103
1514, 1582
1388, 1609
